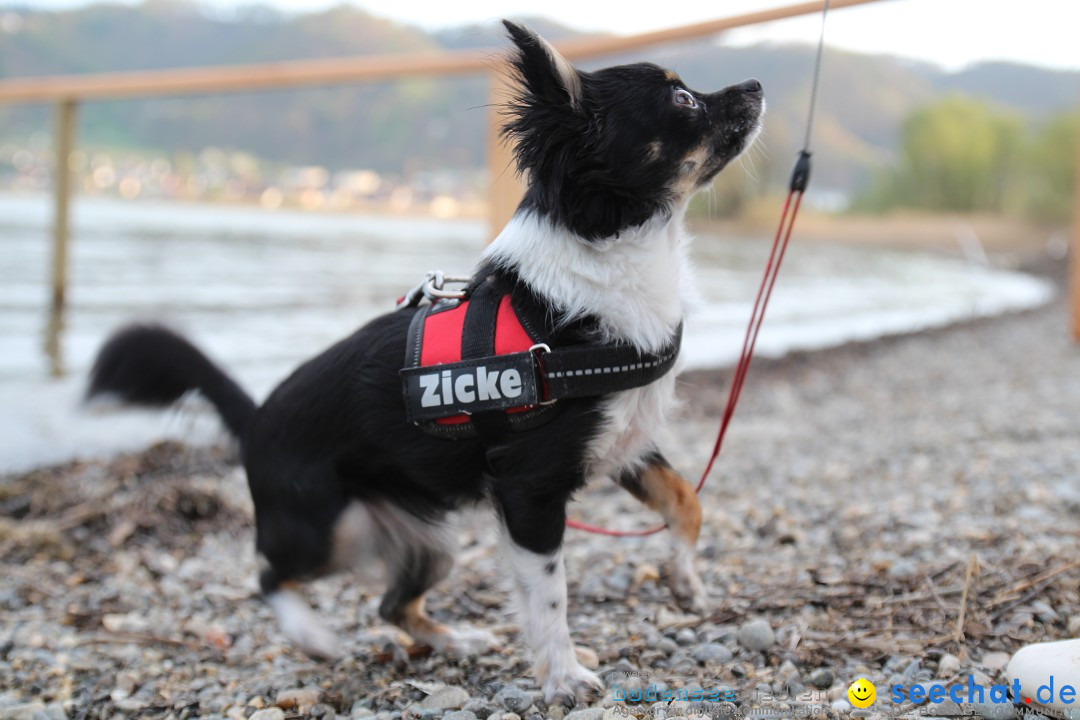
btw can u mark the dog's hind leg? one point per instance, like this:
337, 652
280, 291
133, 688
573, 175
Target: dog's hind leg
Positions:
418, 555
665, 491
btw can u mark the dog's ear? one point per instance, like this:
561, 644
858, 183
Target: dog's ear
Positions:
545, 75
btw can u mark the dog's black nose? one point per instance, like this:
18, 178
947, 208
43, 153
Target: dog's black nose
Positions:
750, 86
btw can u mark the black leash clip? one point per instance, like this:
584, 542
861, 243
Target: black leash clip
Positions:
800, 174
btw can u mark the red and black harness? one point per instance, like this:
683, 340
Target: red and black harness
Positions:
477, 365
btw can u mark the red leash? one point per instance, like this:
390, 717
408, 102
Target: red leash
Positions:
799, 179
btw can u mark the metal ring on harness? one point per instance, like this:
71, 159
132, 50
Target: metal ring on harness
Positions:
435, 282
433, 288
538, 350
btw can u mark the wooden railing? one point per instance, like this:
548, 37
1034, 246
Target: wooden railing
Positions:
66, 92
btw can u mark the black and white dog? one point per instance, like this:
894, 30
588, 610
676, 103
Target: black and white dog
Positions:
596, 253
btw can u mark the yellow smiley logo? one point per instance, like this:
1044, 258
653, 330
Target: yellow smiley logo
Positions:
862, 693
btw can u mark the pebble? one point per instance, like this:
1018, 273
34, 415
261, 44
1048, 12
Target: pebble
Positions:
459, 715
995, 661
514, 699
948, 665
481, 708
447, 698
686, 636
822, 678
268, 714
1044, 612
587, 657
22, 711
665, 645
756, 635
587, 714
299, 699
712, 654
360, 711
1073, 626
995, 711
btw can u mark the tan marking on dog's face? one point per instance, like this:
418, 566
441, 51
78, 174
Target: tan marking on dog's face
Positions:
686, 183
672, 76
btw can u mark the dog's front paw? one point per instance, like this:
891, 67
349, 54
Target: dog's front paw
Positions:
463, 642
572, 686
689, 593
686, 584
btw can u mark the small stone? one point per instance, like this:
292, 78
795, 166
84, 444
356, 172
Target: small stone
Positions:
995, 661
360, 711
514, 699
686, 636
447, 698
822, 678
511, 716
587, 714
1044, 612
23, 711
948, 665
301, 699
665, 645
756, 635
587, 657
236, 712
1034, 666
1073, 626
556, 713
482, 708
459, 715
268, 714
995, 711
712, 654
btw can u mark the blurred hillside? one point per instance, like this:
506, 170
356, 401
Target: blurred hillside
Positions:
438, 124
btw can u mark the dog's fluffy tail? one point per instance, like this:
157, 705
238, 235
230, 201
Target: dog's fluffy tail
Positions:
153, 366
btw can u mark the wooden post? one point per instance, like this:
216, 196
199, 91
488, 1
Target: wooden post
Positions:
1075, 253
504, 187
65, 143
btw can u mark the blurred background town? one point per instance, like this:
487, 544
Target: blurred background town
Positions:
892, 132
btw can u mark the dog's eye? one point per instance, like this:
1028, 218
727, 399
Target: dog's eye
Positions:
684, 98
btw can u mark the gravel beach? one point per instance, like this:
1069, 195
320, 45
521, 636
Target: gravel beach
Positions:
903, 510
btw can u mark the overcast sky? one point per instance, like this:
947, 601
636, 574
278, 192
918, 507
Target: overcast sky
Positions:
952, 33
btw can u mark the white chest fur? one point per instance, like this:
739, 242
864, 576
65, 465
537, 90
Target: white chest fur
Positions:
639, 287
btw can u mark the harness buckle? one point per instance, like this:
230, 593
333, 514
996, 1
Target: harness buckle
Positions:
538, 350
433, 287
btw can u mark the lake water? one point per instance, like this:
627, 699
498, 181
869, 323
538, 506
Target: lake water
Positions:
261, 292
